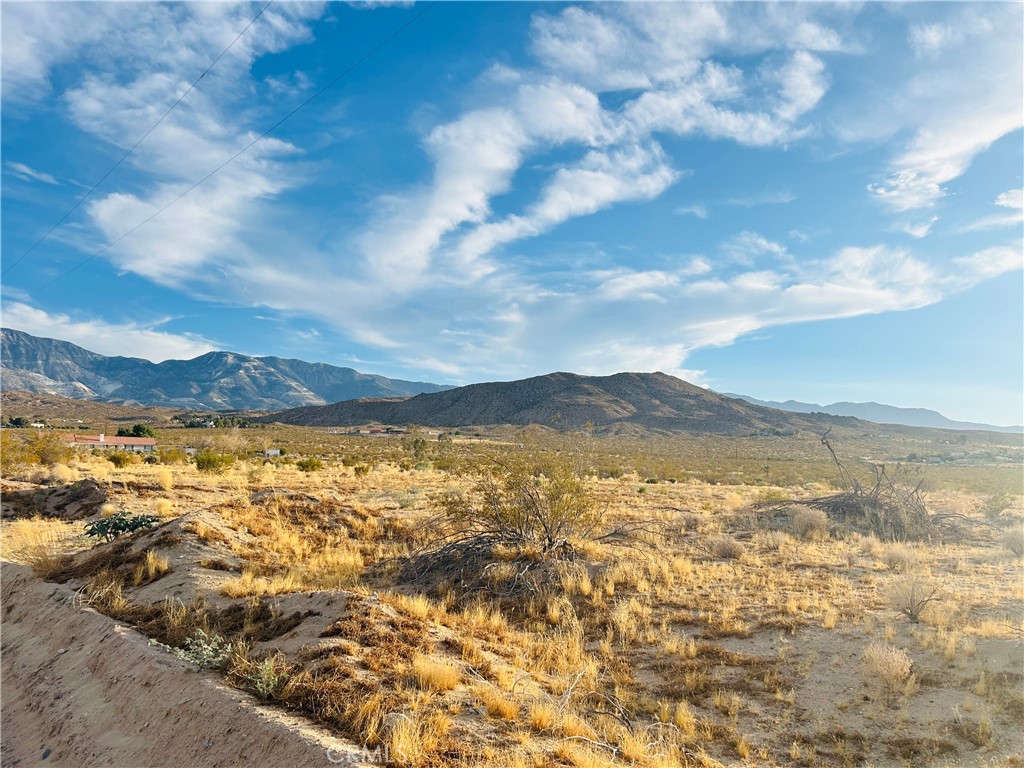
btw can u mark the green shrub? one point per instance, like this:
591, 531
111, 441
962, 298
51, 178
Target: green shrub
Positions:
49, 448
311, 464
210, 461
539, 503
118, 524
206, 651
172, 455
121, 458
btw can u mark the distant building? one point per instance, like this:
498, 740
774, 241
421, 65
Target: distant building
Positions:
104, 442
270, 452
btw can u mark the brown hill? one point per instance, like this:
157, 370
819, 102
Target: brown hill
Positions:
60, 411
624, 402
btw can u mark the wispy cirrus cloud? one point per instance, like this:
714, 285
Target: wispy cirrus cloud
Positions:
1012, 200
25, 173
966, 99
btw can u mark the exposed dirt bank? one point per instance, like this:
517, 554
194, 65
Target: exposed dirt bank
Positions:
80, 689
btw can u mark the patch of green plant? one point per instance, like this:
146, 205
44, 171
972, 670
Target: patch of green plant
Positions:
311, 464
206, 651
118, 524
210, 461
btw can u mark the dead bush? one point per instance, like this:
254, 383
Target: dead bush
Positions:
808, 523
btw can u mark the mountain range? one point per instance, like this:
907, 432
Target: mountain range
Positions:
625, 403
317, 393
880, 414
214, 381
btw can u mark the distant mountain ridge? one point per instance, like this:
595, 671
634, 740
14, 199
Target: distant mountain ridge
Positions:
880, 414
624, 403
214, 381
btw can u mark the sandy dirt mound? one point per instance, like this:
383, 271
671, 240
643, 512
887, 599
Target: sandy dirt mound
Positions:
71, 501
80, 689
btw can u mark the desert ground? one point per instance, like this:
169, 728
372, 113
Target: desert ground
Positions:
369, 599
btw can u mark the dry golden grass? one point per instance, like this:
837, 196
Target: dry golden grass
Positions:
412, 740
164, 478
151, 568
249, 584
435, 675
617, 631
496, 703
42, 544
543, 715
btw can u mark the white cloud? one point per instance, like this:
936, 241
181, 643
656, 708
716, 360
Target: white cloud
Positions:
700, 211
748, 246
106, 338
967, 98
123, 89
918, 229
25, 173
1012, 199
765, 197
987, 263
600, 179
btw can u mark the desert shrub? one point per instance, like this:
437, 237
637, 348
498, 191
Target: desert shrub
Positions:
311, 464
172, 455
899, 558
122, 459
361, 470
808, 523
46, 448
14, 453
725, 547
995, 505
910, 595
50, 448
1013, 540
888, 665
206, 651
210, 461
772, 541
118, 524
265, 677
539, 504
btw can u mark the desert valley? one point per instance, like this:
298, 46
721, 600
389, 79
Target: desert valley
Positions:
576, 571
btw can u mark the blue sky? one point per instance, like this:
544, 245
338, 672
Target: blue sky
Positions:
810, 201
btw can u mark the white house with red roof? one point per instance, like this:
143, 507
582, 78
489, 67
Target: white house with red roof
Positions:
103, 442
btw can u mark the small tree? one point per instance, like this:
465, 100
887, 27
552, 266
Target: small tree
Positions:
139, 430
539, 504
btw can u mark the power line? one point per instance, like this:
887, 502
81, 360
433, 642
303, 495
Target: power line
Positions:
115, 166
246, 148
